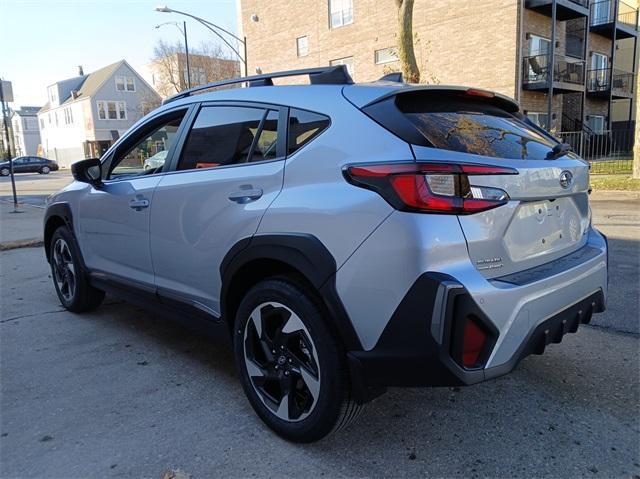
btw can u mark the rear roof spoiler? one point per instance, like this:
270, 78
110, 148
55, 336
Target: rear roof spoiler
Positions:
497, 99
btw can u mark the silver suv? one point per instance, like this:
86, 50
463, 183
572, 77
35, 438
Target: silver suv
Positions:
346, 238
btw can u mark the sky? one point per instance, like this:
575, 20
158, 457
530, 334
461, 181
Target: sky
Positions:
46, 40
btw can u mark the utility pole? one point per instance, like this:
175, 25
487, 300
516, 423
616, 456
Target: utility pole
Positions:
186, 49
5, 114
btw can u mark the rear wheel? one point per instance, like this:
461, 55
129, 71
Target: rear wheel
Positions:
45, 170
71, 283
5, 171
290, 365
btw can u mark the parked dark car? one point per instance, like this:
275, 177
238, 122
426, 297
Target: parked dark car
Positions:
29, 164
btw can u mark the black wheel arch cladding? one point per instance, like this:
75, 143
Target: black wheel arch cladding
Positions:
303, 253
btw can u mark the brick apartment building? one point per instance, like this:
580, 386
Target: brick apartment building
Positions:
168, 75
501, 45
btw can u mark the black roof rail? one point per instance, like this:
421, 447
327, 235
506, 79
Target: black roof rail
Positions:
331, 75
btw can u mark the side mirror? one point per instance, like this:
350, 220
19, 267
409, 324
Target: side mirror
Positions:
88, 171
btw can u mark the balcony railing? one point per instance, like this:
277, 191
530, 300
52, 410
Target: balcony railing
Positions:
603, 12
601, 80
566, 69
582, 3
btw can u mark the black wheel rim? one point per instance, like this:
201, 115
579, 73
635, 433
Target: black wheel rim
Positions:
64, 270
281, 361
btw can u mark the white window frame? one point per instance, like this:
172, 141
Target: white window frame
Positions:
302, 46
68, 116
125, 81
534, 116
392, 55
119, 106
132, 84
340, 13
539, 40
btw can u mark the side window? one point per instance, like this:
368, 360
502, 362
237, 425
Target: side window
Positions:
304, 126
150, 150
223, 135
267, 143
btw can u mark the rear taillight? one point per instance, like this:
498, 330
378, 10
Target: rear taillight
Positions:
431, 187
473, 343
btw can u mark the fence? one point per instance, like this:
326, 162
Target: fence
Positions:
609, 152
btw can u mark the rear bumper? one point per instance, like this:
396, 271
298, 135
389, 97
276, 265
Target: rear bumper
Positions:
524, 314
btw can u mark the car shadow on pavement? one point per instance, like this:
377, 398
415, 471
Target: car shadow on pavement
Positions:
569, 412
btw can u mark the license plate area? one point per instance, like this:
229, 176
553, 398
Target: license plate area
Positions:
543, 227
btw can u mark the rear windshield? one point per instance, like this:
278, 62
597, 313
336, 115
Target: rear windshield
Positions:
476, 127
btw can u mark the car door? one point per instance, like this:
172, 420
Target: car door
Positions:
34, 164
114, 217
20, 165
230, 169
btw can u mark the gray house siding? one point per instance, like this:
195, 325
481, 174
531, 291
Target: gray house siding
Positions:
133, 100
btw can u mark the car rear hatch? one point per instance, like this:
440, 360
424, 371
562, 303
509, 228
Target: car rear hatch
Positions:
543, 212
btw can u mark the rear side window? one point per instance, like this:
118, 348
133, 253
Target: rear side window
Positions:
449, 122
304, 126
224, 135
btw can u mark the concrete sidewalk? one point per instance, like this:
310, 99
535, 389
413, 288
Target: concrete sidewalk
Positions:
20, 230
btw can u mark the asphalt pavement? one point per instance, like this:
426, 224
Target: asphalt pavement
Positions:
121, 393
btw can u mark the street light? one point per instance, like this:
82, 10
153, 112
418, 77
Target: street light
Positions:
212, 26
183, 30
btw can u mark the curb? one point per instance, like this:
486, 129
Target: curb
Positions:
25, 243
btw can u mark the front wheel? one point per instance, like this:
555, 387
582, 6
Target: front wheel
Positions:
5, 171
71, 282
45, 170
290, 365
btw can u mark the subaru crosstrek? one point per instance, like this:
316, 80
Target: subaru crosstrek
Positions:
345, 237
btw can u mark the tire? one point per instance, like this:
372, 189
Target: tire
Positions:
308, 362
45, 170
69, 279
5, 171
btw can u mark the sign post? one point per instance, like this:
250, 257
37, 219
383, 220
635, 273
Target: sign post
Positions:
6, 95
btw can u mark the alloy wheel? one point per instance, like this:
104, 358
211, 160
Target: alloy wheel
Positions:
281, 361
46, 170
5, 172
64, 270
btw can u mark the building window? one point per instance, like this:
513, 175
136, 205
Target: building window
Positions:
597, 123
386, 55
55, 115
53, 94
124, 83
198, 76
68, 116
112, 110
539, 45
42, 123
340, 13
539, 118
302, 44
348, 61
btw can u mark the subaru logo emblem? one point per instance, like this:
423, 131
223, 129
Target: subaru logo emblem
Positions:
566, 178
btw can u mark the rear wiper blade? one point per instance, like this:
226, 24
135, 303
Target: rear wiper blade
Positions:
559, 150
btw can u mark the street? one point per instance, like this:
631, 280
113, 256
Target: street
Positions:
121, 393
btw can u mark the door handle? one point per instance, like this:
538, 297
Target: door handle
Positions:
139, 204
245, 194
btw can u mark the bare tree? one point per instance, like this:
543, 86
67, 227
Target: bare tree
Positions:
406, 53
166, 62
208, 63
